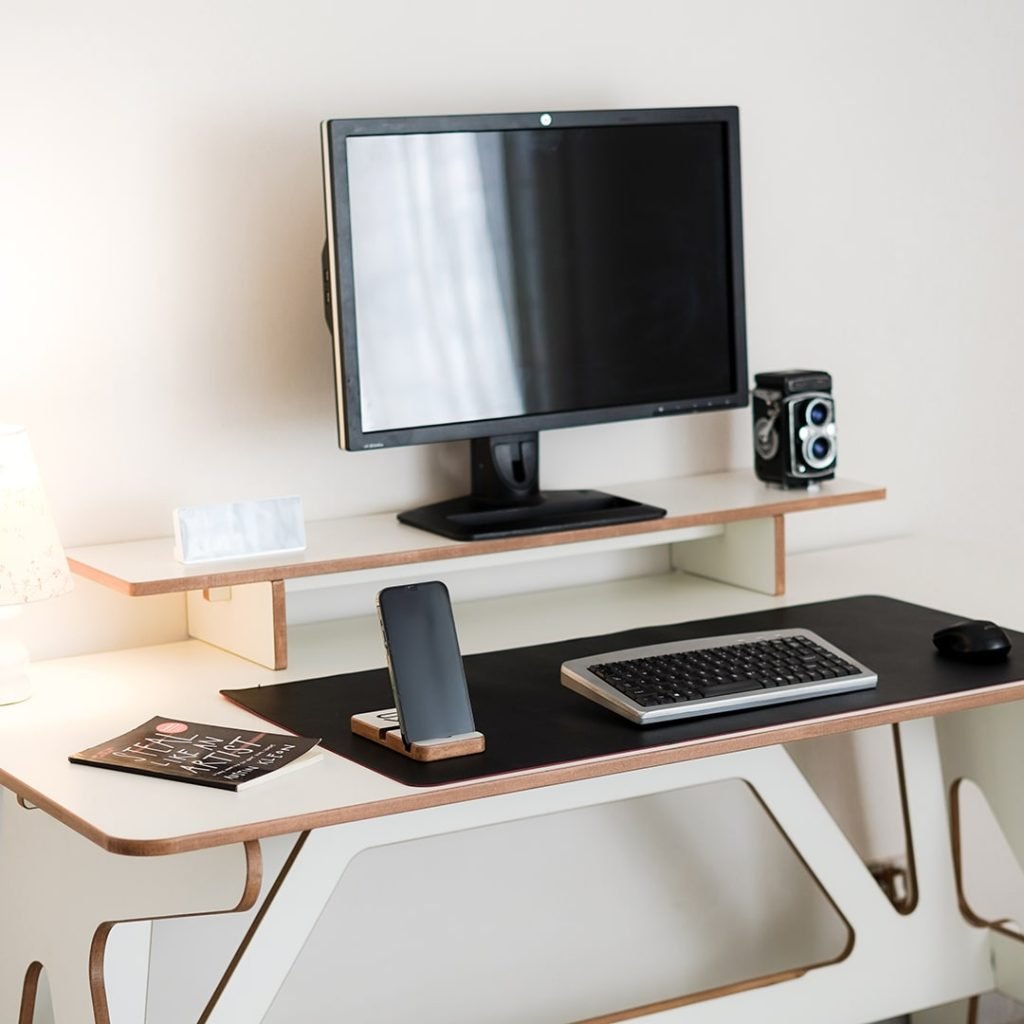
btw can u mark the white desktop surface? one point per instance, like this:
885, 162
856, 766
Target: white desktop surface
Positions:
83, 700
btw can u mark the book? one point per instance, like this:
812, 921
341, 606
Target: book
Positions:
206, 755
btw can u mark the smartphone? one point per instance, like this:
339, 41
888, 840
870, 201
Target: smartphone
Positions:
427, 678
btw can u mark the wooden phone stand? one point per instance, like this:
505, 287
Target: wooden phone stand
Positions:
382, 727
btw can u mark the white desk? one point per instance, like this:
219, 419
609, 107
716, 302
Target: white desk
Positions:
217, 839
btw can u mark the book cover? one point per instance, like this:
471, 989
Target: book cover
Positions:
206, 755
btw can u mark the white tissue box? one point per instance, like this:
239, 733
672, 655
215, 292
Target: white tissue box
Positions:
238, 529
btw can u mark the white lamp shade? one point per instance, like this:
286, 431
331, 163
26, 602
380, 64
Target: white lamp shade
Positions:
32, 562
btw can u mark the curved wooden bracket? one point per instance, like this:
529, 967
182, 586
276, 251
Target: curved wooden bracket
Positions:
49, 873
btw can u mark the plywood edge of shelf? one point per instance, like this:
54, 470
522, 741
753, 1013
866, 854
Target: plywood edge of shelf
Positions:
88, 571
84, 562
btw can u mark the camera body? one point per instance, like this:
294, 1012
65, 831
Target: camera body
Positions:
794, 427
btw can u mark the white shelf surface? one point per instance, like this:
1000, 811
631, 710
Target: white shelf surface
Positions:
695, 506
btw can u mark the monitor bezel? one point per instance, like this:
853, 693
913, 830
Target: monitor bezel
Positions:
340, 287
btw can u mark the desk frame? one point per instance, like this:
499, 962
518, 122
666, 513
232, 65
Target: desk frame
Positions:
942, 955
881, 935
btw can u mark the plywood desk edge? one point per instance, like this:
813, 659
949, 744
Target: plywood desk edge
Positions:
516, 782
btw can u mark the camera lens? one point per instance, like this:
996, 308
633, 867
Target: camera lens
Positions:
819, 450
819, 412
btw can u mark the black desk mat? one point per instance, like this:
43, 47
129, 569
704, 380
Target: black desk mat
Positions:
531, 721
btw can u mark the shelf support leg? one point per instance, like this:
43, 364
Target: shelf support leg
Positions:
749, 553
248, 620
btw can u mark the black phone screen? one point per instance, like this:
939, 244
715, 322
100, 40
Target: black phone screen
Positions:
427, 677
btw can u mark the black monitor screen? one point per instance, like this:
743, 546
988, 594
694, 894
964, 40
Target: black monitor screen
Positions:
496, 277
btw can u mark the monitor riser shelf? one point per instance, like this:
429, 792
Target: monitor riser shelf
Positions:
724, 526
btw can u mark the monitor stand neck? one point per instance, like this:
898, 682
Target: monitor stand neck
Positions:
505, 470
506, 499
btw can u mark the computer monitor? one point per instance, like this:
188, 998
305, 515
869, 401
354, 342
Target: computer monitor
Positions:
488, 277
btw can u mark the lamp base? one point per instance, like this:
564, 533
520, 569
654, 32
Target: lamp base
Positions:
14, 681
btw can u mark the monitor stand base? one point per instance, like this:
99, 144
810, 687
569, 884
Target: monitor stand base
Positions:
471, 518
505, 498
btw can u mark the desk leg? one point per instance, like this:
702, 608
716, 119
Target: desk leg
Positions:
983, 761
750, 553
60, 895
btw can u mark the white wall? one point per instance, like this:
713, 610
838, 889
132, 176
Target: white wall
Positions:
161, 212
161, 218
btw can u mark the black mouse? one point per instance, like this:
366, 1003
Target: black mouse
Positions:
974, 640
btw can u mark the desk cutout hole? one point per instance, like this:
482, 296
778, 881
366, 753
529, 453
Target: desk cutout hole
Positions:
687, 894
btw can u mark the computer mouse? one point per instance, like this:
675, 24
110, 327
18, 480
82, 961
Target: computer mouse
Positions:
973, 640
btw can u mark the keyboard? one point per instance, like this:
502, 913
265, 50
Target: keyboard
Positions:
686, 678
